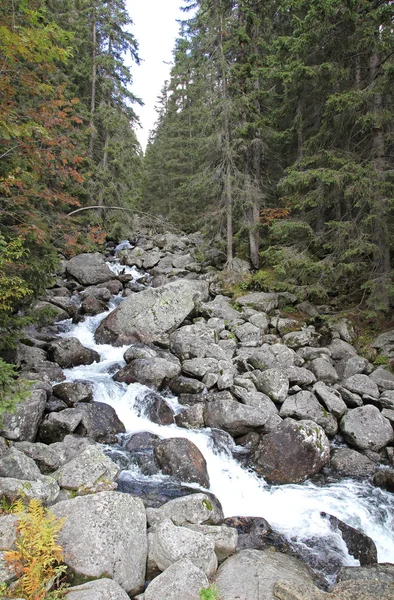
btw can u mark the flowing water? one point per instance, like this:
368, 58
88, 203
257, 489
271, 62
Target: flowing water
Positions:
292, 510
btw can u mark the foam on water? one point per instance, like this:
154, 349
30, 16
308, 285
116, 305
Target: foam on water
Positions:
293, 510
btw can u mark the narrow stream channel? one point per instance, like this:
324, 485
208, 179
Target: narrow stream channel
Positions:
292, 510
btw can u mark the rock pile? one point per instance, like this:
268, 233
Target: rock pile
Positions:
259, 370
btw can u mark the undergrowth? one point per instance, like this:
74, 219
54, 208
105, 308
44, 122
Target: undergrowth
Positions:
37, 559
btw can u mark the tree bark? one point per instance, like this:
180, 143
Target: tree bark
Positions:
93, 91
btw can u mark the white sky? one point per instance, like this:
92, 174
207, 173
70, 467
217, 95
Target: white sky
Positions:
155, 29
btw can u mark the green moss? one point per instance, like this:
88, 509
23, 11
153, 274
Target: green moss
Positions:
206, 503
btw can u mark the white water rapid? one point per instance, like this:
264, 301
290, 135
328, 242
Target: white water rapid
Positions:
292, 510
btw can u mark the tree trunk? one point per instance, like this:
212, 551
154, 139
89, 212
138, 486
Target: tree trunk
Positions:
380, 233
93, 91
100, 200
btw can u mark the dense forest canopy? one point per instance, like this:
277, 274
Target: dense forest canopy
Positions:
274, 137
276, 133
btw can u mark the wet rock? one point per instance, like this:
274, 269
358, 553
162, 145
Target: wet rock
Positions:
181, 580
180, 458
234, 417
141, 441
138, 351
99, 589
145, 316
365, 428
186, 385
198, 509
23, 424
384, 478
96, 420
98, 292
292, 452
350, 463
153, 372
305, 405
92, 306
252, 532
192, 417
252, 574
154, 407
69, 352
272, 382
171, 543
73, 392
104, 546
89, 269
361, 384
359, 545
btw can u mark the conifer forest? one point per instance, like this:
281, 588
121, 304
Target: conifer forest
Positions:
274, 138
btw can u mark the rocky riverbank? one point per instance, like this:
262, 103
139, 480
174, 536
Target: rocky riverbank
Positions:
292, 398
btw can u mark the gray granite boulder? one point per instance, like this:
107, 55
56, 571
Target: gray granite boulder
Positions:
72, 392
146, 315
170, 543
361, 384
46, 458
234, 417
99, 589
324, 370
366, 428
89, 269
22, 425
221, 308
198, 509
104, 545
331, 399
89, 471
19, 466
305, 405
153, 372
45, 489
261, 301
276, 356
7, 531
292, 452
252, 574
273, 382
182, 580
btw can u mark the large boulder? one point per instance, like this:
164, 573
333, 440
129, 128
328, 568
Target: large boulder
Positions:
350, 463
182, 580
89, 471
19, 466
192, 341
97, 420
234, 417
198, 509
104, 535
153, 372
273, 382
45, 457
146, 315
252, 574
100, 589
89, 269
182, 459
366, 428
305, 405
292, 452
72, 392
359, 545
69, 352
170, 543
277, 356
154, 407
45, 489
22, 425
361, 384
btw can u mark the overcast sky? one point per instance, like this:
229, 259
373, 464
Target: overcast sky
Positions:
155, 29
